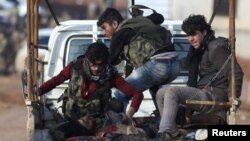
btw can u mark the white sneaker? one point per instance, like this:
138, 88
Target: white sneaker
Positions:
201, 134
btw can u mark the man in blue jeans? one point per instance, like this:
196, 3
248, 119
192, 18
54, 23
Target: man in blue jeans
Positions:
152, 63
206, 57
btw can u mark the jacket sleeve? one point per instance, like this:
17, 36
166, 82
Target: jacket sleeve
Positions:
238, 80
121, 84
56, 80
219, 55
119, 40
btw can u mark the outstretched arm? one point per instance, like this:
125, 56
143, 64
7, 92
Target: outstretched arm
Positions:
55, 81
137, 96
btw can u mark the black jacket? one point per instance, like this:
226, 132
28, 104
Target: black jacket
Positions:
212, 60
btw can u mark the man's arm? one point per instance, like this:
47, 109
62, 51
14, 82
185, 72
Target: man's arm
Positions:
56, 80
119, 40
219, 56
238, 79
125, 87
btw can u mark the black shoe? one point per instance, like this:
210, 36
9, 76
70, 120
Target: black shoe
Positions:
164, 136
156, 113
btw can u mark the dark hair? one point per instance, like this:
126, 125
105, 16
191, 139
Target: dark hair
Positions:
97, 51
110, 15
194, 23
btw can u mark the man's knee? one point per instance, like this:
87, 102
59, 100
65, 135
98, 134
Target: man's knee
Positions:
166, 92
160, 93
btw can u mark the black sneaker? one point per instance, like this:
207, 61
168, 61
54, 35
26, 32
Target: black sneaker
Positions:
156, 113
164, 136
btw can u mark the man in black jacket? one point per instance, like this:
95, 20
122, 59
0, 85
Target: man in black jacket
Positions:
206, 57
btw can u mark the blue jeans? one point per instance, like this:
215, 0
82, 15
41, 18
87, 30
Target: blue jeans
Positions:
153, 73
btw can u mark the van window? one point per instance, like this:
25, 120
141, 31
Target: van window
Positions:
105, 40
182, 46
77, 47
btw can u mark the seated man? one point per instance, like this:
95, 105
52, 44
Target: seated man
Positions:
89, 89
206, 57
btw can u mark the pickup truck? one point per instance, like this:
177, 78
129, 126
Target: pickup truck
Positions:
69, 40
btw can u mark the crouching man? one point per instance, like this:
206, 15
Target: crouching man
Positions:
89, 93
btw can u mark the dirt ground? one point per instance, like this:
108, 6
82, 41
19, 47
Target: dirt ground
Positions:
13, 112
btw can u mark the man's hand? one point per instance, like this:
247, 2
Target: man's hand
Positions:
131, 122
130, 114
88, 121
236, 102
36, 90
